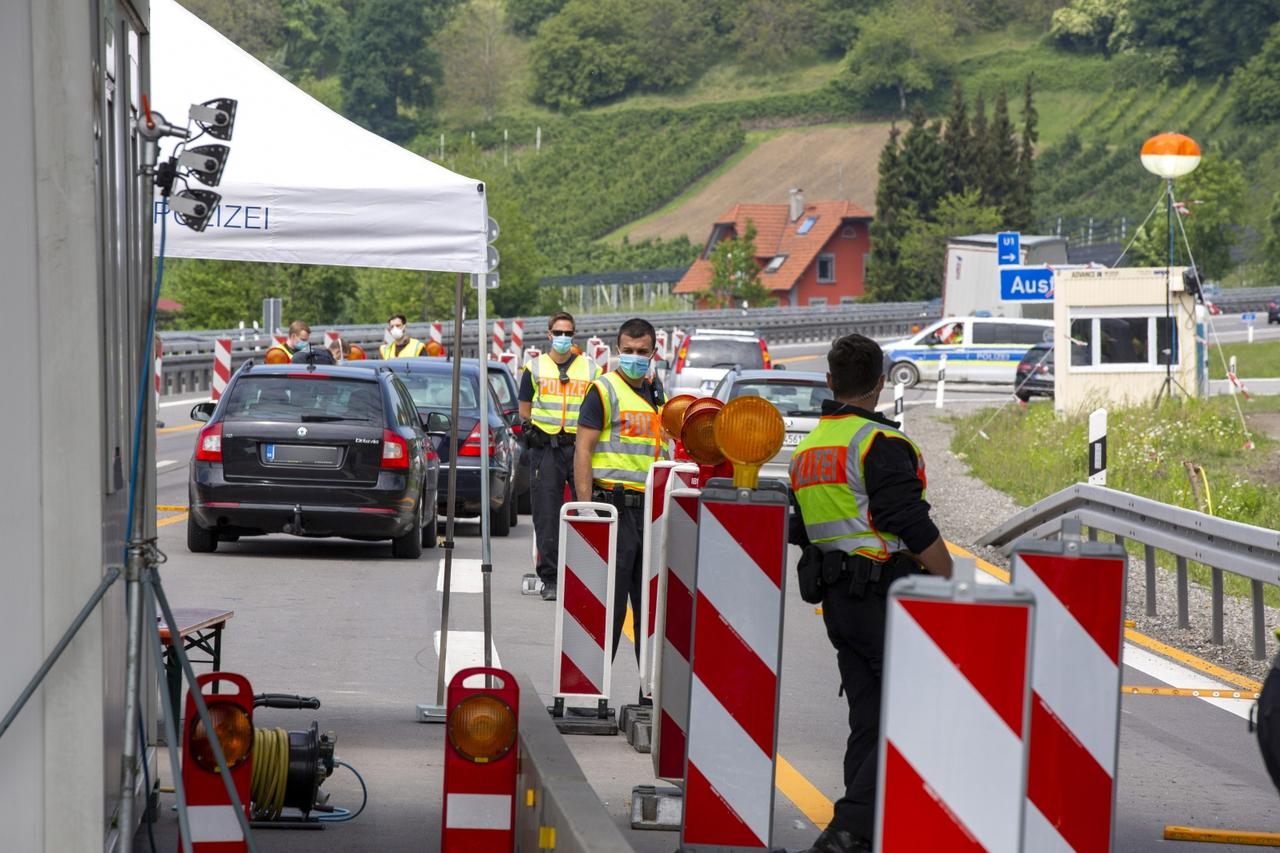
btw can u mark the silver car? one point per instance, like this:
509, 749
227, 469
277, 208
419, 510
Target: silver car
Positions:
708, 354
798, 397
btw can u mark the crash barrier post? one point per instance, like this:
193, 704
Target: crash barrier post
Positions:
214, 825
499, 340
1079, 588
675, 604
517, 339
1098, 447
221, 368
736, 656
966, 648
942, 380
899, 405
582, 667
556, 808
480, 761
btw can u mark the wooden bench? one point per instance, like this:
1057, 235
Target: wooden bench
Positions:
198, 628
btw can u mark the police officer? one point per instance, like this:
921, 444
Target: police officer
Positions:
619, 437
401, 344
552, 387
863, 521
283, 353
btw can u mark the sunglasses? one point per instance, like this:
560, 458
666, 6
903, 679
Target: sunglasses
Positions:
556, 334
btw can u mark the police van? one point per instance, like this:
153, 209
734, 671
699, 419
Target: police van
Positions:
978, 349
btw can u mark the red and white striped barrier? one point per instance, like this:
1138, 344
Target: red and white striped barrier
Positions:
679, 554
517, 337
330, 338
662, 476
436, 333
221, 367
157, 380
660, 345
508, 359
1079, 588
479, 791
964, 649
582, 664
677, 340
737, 652
600, 355
211, 814
499, 340
530, 353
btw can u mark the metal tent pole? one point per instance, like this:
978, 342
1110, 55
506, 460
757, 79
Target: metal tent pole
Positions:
486, 557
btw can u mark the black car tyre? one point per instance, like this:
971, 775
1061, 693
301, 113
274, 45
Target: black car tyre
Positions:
430, 535
904, 373
200, 540
1024, 396
409, 546
500, 518
514, 504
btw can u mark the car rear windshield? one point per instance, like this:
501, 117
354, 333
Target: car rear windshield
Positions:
710, 352
435, 391
297, 399
792, 398
501, 388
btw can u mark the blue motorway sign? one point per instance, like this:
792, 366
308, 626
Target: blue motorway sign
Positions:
1249, 317
1009, 248
1026, 284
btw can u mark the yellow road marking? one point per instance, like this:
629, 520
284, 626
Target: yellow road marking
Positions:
1222, 836
792, 359
184, 428
1137, 637
811, 802
173, 519
627, 626
171, 507
1197, 692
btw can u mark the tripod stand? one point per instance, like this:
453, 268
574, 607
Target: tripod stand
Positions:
1167, 386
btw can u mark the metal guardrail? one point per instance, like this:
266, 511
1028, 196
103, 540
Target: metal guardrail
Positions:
1224, 546
1246, 298
188, 356
557, 808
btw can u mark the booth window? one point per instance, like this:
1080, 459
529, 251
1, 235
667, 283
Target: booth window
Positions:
1136, 340
826, 268
1081, 343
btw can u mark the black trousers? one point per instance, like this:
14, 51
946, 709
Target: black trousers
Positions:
856, 627
628, 573
550, 468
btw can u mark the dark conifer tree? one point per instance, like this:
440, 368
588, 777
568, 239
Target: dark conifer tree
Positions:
1002, 152
957, 143
924, 171
1022, 207
979, 147
892, 216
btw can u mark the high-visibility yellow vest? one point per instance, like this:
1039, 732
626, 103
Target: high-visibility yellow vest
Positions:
285, 354
556, 403
412, 349
828, 477
631, 438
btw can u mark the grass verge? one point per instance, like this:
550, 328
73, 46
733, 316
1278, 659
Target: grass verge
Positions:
1253, 361
1030, 454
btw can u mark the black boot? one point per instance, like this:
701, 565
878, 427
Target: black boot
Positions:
839, 841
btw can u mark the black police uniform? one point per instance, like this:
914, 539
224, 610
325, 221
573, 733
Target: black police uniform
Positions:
854, 609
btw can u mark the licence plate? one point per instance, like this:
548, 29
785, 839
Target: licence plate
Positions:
791, 439
318, 456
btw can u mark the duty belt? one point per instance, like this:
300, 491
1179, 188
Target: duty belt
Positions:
619, 497
864, 574
538, 438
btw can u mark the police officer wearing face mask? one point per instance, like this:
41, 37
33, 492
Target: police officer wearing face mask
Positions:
619, 438
401, 344
863, 521
298, 341
552, 387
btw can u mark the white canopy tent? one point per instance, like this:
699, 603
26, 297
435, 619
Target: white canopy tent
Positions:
303, 184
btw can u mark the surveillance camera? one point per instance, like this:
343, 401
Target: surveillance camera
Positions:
193, 208
206, 162
216, 118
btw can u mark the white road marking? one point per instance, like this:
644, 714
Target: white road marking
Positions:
466, 649
464, 576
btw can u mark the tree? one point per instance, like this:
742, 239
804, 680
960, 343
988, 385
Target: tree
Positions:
1020, 210
772, 33
1212, 197
674, 39
1001, 167
923, 253
389, 64
957, 143
901, 47
890, 224
254, 26
1089, 26
1205, 36
584, 54
314, 31
526, 15
1271, 244
220, 294
1257, 84
479, 57
924, 170
735, 273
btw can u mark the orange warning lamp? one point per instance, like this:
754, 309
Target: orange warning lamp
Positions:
748, 431
673, 412
697, 434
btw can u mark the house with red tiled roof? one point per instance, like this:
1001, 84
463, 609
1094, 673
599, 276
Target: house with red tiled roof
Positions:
809, 254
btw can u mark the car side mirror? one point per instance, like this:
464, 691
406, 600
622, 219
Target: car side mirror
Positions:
202, 412
436, 423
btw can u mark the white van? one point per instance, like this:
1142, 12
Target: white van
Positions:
978, 349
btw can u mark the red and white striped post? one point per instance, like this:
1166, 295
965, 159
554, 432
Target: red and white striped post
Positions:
437, 333
517, 339
508, 360
736, 654
1079, 588
677, 340
600, 355
530, 353
679, 554
479, 790
158, 380
330, 337
660, 345
966, 648
582, 663
221, 367
662, 476
499, 340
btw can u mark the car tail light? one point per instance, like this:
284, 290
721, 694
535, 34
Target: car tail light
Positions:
764, 353
395, 450
680, 356
471, 447
1044, 369
209, 444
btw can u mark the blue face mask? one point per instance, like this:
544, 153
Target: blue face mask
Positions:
561, 344
633, 366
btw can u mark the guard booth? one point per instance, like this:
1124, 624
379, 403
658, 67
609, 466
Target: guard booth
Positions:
1113, 338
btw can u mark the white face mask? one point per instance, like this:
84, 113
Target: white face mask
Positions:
397, 333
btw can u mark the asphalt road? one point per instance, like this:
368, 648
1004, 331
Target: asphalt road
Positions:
348, 623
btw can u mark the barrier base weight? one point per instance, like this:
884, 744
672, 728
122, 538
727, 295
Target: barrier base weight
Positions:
530, 585
636, 724
432, 714
654, 807
600, 720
